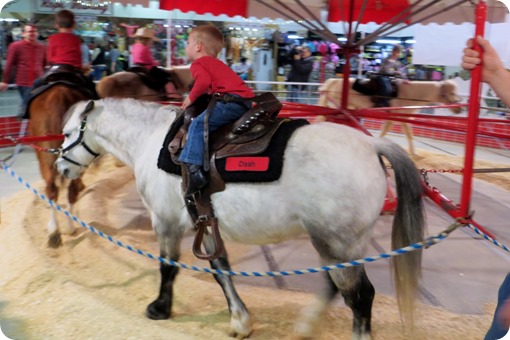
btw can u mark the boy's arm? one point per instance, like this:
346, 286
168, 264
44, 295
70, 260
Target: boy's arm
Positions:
202, 82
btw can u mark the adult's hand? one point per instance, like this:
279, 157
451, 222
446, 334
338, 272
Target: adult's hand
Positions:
3, 86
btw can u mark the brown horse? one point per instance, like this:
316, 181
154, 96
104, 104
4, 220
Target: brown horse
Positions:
46, 112
130, 85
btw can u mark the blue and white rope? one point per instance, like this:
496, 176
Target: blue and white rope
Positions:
490, 239
425, 244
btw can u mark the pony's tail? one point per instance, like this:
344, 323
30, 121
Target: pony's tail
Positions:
408, 228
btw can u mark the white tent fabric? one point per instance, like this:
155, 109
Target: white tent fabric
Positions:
447, 51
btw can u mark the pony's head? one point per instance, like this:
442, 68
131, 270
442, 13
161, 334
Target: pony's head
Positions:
78, 149
449, 95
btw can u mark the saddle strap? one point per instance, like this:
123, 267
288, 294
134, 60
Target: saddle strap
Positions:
204, 220
210, 107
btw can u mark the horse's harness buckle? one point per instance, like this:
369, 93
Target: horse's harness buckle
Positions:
202, 220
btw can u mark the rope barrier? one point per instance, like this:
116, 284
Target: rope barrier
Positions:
430, 241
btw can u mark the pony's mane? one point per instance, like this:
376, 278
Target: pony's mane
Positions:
138, 109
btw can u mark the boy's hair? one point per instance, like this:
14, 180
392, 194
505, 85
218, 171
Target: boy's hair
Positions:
397, 48
64, 19
210, 37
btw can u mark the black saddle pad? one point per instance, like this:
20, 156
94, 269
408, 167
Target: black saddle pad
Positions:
268, 164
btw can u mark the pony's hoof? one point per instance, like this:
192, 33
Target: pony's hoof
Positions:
158, 311
55, 240
236, 335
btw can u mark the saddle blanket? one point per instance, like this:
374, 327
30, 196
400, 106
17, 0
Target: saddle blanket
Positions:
264, 167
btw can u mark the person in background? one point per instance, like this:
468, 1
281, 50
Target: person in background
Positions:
497, 76
64, 47
241, 68
392, 65
301, 68
26, 58
98, 60
85, 55
211, 76
141, 50
114, 56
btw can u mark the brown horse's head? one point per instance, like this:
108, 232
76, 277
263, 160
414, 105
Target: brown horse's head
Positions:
449, 95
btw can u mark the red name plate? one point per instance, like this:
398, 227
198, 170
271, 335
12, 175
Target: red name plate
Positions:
247, 164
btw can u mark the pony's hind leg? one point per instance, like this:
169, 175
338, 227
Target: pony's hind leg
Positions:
240, 321
358, 294
359, 297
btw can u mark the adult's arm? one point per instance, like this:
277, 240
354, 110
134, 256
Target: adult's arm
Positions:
494, 72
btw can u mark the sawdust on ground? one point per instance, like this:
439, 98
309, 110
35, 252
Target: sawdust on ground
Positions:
92, 289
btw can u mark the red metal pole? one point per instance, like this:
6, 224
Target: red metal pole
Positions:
347, 65
473, 111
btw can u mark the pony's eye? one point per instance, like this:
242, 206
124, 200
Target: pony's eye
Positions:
66, 135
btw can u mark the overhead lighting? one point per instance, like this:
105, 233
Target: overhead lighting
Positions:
342, 39
410, 41
294, 36
388, 41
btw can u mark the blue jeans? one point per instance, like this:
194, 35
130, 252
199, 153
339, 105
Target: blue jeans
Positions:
97, 72
24, 92
497, 331
296, 94
222, 114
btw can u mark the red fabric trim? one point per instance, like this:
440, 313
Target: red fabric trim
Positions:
378, 11
247, 164
215, 7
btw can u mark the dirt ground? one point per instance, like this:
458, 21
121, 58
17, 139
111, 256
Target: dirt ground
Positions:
92, 289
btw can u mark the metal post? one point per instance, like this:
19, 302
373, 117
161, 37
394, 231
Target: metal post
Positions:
473, 111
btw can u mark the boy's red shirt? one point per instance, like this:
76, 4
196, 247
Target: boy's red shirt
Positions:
64, 48
211, 76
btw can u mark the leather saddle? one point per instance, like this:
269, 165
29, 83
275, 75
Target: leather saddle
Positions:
249, 135
66, 73
377, 85
156, 78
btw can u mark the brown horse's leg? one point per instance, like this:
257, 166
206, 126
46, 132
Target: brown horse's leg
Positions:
386, 128
49, 175
408, 130
73, 190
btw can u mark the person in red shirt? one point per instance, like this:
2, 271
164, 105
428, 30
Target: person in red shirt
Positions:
211, 76
64, 47
27, 58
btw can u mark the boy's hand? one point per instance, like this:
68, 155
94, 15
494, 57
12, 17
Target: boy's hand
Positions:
185, 103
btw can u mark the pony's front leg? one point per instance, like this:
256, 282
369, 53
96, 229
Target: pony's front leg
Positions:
73, 190
161, 308
240, 321
169, 237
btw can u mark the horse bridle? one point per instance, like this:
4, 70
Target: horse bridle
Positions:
83, 126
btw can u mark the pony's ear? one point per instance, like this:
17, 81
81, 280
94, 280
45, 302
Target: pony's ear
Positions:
89, 107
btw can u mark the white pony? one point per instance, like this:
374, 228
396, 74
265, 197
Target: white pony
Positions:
332, 187
410, 93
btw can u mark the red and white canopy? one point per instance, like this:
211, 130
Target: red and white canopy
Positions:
364, 11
